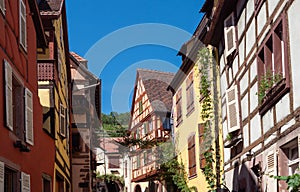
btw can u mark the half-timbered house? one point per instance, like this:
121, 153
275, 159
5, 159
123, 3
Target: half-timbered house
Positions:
150, 120
258, 49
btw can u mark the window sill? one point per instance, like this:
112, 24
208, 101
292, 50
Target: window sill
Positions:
273, 95
193, 176
233, 141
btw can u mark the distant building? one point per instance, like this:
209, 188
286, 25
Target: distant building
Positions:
150, 120
26, 155
54, 79
86, 110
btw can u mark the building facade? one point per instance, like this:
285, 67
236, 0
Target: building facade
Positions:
192, 138
150, 120
258, 45
22, 137
86, 111
54, 79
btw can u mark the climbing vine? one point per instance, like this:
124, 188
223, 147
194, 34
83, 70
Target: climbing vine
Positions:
206, 115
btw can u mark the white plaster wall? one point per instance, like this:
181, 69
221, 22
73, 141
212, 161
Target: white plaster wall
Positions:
222, 63
261, 18
250, 36
253, 97
283, 108
293, 15
241, 24
242, 51
287, 125
223, 84
224, 108
235, 66
255, 128
230, 75
271, 5
244, 107
253, 70
270, 138
256, 148
229, 179
268, 120
250, 10
226, 154
244, 82
246, 135
225, 129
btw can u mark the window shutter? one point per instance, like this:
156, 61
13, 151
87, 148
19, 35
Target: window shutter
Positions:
29, 117
230, 35
25, 182
8, 94
232, 109
277, 53
22, 24
1, 176
2, 6
271, 170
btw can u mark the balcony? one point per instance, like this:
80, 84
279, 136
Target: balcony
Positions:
46, 70
145, 172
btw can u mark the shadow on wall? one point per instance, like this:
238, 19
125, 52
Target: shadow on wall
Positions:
245, 179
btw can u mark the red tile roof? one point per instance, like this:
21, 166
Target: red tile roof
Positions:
156, 83
50, 7
77, 57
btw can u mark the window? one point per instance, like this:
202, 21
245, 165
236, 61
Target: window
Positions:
2, 6
230, 36
125, 168
46, 183
291, 153
201, 143
10, 180
150, 125
166, 123
140, 107
145, 157
62, 120
178, 108
22, 24
59, 184
138, 161
190, 93
145, 128
19, 106
273, 71
113, 162
192, 156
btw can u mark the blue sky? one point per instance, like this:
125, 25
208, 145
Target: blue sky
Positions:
116, 37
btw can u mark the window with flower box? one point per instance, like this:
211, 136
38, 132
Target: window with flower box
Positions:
273, 71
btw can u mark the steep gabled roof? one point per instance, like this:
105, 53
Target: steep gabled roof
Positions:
50, 7
156, 84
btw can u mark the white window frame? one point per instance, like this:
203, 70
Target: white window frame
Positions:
2, 6
62, 130
22, 17
227, 30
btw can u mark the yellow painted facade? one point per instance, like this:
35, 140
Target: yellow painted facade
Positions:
190, 122
54, 96
186, 128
